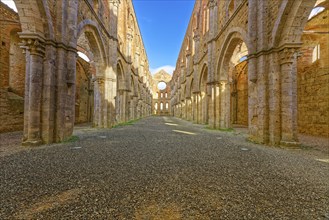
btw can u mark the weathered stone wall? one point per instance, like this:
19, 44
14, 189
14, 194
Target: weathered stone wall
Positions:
57, 93
271, 31
161, 96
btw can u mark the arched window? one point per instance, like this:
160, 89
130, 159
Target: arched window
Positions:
167, 105
205, 20
316, 53
316, 11
231, 8
156, 106
166, 95
161, 106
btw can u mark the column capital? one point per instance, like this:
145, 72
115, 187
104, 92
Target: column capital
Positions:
212, 4
223, 82
287, 55
35, 45
100, 80
115, 3
196, 37
130, 36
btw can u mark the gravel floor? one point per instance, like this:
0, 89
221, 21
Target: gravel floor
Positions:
163, 168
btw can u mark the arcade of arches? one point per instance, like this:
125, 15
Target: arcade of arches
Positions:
254, 63
258, 64
48, 89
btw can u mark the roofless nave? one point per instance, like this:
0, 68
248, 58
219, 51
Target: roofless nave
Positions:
255, 63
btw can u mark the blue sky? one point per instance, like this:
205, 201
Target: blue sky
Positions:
163, 24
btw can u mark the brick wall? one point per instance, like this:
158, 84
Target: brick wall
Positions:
313, 95
313, 79
11, 111
12, 72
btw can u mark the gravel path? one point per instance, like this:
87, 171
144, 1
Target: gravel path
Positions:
163, 168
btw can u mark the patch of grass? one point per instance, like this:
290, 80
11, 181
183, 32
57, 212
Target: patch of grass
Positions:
131, 122
71, 139
306, 147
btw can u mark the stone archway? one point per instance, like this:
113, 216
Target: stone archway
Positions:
227, 71
89, 38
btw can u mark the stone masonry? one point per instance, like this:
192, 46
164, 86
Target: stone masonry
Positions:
46, 89
259, 64
275, 89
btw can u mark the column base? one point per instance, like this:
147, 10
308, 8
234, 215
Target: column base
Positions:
32, 143
292, 144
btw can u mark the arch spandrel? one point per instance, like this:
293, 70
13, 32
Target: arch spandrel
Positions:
290, 22
35, 18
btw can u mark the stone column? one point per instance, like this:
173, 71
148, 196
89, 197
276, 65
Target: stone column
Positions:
225, 105
289, 96
189, 108
111, 73
212, 104
70, 102
111, 87
90, 100
34, 51
135, 103
213, 11
98, 99
197, 111
124, 106
274, 99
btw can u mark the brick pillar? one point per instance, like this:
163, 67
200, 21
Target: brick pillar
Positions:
288, 96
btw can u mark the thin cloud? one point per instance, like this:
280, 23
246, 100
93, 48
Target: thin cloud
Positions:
169, 69
148, 20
